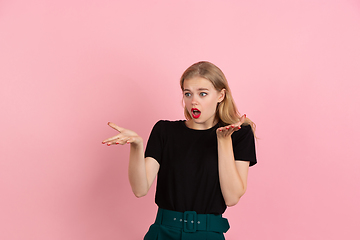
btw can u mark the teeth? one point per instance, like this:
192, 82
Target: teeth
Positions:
196, 113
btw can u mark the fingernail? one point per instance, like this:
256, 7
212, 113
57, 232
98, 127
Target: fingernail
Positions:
102, 142
117, 143
108, 123
245, 115
239, 127
127, 142
220, 129
232, 126
227, 127
108, 144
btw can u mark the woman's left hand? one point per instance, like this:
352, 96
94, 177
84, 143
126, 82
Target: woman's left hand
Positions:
226, 131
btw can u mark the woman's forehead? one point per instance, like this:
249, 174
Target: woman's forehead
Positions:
197, 83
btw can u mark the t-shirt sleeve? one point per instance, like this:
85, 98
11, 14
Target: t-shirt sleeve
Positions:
244, 145
155, 142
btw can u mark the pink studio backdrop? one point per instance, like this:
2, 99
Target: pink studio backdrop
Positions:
69, 67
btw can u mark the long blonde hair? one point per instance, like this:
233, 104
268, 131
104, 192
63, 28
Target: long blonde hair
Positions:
226, 111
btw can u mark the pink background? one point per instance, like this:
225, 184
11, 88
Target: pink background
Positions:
69, 67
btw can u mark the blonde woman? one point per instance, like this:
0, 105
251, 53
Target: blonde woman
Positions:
201, 163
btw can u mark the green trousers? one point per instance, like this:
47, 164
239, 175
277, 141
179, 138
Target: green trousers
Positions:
171, 225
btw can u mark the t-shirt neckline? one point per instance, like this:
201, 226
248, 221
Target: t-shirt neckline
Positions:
199, 130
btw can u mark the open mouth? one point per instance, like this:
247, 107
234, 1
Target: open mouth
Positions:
195, 113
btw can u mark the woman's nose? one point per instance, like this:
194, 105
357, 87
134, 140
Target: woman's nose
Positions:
194, 100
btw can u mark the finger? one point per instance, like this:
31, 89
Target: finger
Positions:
116, 127
232, 129
228, 130
220, 129
119, 140
112, 143
116, 141
124, 140
106, 141
130, 140
237, 126
114, 138
242, 118
241, 121
223, 131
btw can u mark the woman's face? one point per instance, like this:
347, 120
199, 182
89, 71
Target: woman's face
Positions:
201, 98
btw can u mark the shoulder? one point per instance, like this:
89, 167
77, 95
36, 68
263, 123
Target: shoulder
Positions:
244, 132
245, 129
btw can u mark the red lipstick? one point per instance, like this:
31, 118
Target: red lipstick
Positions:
195, 113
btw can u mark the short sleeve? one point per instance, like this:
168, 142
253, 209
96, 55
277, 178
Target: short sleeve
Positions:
244, 145
155, 142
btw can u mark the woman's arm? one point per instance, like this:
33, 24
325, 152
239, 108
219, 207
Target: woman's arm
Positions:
142, 171
233, 174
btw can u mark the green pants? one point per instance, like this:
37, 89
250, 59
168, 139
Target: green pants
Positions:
170, 225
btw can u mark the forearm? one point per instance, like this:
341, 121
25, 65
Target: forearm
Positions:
137, 170
231, 183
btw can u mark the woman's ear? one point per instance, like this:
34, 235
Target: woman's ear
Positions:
222, 95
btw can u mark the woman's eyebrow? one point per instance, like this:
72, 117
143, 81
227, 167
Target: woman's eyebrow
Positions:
199, 89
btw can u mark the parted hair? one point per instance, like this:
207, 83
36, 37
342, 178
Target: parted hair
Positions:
226, 111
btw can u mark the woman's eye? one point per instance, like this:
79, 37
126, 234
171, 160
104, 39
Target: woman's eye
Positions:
187, 94
203, 94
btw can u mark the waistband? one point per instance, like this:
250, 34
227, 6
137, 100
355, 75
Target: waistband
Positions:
190, 221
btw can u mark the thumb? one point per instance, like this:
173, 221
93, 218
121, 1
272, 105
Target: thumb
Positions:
130, 140
116, 127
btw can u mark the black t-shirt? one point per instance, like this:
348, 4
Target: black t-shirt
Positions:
188, 178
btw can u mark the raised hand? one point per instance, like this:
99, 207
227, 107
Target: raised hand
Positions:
124, 136
228, 130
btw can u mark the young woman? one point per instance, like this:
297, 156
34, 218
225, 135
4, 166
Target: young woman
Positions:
201, 163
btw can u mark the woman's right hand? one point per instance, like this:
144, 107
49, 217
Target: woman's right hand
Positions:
124, 136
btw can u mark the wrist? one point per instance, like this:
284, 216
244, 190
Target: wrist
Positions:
138, 141
224, 139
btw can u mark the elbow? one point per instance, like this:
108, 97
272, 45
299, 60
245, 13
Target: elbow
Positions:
139, 190
234, 200
139, 195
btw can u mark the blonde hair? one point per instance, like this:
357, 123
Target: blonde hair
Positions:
226, 111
